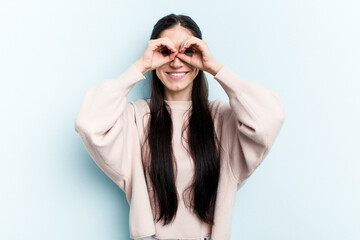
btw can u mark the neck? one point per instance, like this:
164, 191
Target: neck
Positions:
177, 96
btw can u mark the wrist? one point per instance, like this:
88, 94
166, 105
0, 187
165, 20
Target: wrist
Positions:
138, 64
215, 68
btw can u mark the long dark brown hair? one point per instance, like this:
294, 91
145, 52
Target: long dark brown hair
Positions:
202, 141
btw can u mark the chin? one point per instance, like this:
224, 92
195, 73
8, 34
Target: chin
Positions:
175, 87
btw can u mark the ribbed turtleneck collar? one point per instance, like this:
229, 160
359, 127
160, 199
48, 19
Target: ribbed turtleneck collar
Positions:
181, 105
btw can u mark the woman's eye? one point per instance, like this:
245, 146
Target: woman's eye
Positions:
189, 51
165, 51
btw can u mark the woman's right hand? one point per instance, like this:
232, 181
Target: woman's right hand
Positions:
152, 57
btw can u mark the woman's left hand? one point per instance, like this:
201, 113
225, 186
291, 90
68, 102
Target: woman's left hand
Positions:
202, 58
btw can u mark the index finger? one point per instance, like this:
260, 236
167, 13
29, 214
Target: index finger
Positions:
191, 41
166, 42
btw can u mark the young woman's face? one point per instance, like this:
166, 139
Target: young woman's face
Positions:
177, 76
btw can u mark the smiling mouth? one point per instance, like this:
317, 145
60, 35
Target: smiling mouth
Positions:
177, 76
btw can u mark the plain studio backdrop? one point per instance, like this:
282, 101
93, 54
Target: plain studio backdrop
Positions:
306, 51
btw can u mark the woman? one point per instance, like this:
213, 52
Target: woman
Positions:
179, 157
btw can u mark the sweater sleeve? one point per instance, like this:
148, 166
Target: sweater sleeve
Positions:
106, 124
251, 122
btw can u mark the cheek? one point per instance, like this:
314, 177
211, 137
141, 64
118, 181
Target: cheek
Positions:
157, 73
160, 74
195, 73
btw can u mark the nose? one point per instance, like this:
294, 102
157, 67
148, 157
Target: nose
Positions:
176, 63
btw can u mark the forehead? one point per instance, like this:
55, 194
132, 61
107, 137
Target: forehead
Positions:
177, 34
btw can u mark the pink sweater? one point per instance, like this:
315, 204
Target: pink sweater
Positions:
113, 128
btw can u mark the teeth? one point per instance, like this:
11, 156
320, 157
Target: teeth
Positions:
177, 74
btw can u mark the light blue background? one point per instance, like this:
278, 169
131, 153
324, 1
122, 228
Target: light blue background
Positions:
306, 51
